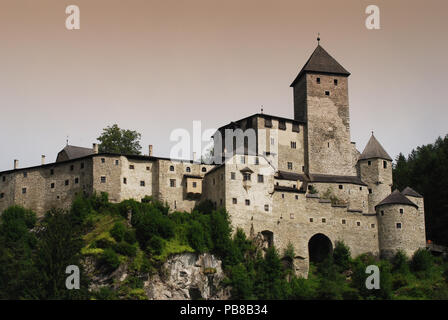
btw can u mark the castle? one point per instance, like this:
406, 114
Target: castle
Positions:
302, 182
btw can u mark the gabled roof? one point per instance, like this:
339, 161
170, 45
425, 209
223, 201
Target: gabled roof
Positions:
374, 150
74, 152
408, 191
396, 198
321, 62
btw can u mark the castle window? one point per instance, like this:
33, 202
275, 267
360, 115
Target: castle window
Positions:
283, 196
25, 174
125, 180
260, 178
66, 182
246, 176
272, 141
360, 188
317, 80
234, 201
398, 225
247, 202
204, 169
282, 125
358, 223
188, 169
291, 215
76, 180
382, 213
142, 183
220, 202
295, 127
232, 175
370, 190
148, 168
172, 183
328, 144
297, 197
324, 220
131, 167
4, 178
103, 179
195, 184
372, 226
23, 190
401, 211
294, 186
369, 163
82, 165
303, 168
257, 161
311, 219
341, 186
327, 93
72, 167
268, 123
344, 221
335, 82
2, 195
293, 145
52, 185
266, 207
103, 160
242, 160
117, 162
171, 168
214, 181
385, 164
289, 165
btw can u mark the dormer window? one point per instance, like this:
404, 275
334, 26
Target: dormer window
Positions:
282, 125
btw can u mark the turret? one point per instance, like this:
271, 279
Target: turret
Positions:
401, 226
375, 169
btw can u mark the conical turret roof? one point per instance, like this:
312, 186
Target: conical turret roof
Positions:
408, 191
396, 198
321, 62
374, 150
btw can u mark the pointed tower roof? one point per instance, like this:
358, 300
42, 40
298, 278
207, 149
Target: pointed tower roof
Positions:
321, 62
396, 198
408, 191
373, 150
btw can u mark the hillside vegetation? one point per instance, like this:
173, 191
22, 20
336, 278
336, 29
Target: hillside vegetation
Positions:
34, 255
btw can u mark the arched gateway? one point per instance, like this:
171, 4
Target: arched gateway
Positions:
319, 247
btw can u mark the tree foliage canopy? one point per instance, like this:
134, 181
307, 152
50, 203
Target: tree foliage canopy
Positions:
116, 140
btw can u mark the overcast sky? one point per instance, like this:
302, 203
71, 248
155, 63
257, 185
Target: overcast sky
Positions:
154, 66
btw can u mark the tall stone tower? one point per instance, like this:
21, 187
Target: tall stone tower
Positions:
321, 100
375, 168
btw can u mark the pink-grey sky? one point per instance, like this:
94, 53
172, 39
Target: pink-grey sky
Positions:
153, 66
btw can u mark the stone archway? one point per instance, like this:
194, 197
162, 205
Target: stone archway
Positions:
319, 247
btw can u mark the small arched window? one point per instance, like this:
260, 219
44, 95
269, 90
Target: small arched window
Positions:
204, 169
188, 169
171, 168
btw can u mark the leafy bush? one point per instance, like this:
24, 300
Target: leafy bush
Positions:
105, 293
155, 245
118, 231
422, 260
130, 237
400, 262
125, 249
110, 259
341, 256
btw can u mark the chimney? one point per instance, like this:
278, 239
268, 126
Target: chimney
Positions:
95, 148
194, 156
150, 150
16, 164
43, 159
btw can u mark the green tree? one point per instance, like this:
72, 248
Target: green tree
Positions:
116, 140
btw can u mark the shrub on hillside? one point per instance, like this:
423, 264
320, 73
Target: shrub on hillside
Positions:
422, 260
118, 231
110, 259
341, 256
